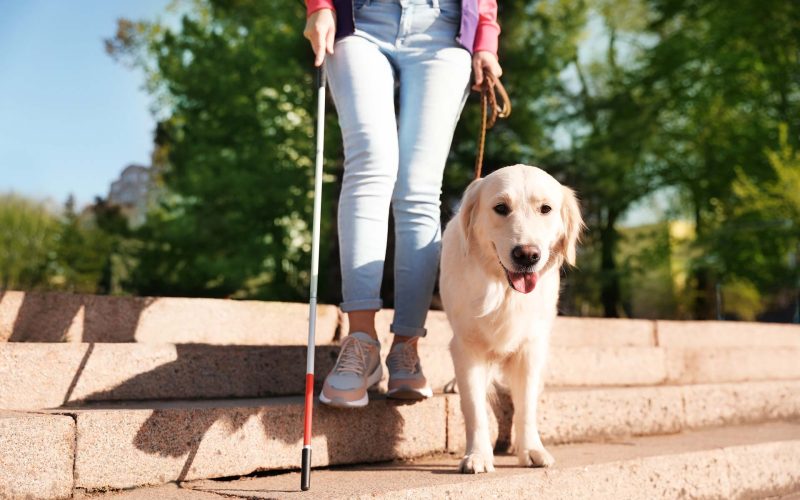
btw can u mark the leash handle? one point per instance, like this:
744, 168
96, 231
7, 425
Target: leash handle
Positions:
490, 112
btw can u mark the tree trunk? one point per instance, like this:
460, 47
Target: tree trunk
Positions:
610, 289
703, 304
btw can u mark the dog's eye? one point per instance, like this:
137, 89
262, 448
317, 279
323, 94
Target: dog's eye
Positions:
546, 209
502, 209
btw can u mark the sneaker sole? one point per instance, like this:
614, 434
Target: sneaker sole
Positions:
410, 393
339, 402
343, 403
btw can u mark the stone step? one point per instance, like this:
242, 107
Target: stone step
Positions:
726, 334
572, 415
67, 317
37, 453
50, 375
754, 461
63, 317
124, 445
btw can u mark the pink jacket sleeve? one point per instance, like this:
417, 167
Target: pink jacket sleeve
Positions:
315, 5
486, 38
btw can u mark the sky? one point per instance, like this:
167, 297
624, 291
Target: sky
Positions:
71, 118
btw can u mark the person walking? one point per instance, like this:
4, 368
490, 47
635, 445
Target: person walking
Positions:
425, 50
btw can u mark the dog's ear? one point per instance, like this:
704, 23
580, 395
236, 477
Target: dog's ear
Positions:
573, 225
469, 203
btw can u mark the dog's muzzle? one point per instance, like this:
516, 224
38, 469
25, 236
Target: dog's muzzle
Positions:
522, 281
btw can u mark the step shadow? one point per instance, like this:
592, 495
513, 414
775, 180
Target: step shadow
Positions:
177, 429
47, 317
218, 372
205, 371
350, 435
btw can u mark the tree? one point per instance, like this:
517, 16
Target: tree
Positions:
28, 235
233, 86
759, 234
82, 253
728, 74
613, 131
40, 250
616, 98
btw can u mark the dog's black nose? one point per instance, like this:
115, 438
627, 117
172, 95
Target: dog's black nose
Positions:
525, 255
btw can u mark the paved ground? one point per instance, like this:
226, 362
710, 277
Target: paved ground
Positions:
716, 463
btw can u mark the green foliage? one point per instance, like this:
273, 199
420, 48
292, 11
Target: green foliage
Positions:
758, 238
617, 98
741, 300
82, 254
40, 250
580, 112
648, 284
28, 236
672, 93
235, 90
727, 74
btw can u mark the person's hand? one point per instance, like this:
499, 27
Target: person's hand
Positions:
484, 62
321, 32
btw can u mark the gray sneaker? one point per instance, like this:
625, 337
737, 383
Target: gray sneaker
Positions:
357, 368
406, 380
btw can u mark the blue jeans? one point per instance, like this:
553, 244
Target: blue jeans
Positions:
396, 158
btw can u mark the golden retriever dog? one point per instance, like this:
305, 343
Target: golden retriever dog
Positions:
499, 284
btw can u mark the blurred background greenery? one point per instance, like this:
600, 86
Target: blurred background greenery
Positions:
677, 122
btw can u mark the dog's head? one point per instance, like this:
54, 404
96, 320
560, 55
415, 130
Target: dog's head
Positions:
521, 222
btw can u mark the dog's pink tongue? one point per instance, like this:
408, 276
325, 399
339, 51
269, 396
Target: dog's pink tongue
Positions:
523, 282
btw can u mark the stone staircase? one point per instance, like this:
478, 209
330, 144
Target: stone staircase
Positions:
100, 394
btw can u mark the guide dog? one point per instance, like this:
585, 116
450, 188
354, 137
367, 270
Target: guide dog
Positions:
499, 284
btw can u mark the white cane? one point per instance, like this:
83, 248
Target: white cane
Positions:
305, 474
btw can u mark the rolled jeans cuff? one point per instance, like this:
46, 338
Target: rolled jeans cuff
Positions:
361, 305
407, 331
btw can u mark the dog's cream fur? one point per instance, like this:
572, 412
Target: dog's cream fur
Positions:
494, 326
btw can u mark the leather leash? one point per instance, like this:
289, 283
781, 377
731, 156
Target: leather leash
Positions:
490, 112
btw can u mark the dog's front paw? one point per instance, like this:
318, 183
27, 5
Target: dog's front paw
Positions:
476, 463
535, 458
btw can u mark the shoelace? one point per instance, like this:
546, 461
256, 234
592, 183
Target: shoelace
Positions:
405, 360
352, 358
